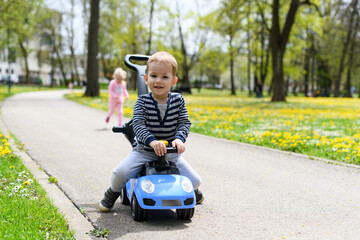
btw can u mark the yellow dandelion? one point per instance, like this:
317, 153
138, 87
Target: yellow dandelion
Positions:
26, 183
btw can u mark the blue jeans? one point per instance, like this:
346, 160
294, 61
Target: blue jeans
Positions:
133, 163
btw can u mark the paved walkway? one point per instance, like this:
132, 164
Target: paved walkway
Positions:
250, 192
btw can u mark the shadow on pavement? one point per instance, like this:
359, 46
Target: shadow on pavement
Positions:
120, 222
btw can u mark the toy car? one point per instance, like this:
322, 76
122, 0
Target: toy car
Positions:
159, 185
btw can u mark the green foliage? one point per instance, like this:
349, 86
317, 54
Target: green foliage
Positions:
52, 179
101, 232
21, 20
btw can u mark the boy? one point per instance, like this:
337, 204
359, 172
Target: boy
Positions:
159, 115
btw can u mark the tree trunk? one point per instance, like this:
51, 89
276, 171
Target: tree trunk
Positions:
249, 52
277, 60
61, 65
85, 19
264, 65
278, 41
307, 71
287, 83
75, 65
313, 68
345, 50
52, 60
278, 84
25, 55
92, 72
185, 82
249, 65
55, 49
351, 58
150, 28
231, 51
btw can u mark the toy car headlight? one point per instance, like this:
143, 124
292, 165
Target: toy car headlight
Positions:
187, 185
147, 186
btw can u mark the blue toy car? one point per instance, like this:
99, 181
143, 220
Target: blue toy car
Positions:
159, 185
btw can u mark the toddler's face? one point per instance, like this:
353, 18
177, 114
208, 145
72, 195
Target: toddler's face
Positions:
118, 78
160, 78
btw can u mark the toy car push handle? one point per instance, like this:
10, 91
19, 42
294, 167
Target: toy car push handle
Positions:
139, 69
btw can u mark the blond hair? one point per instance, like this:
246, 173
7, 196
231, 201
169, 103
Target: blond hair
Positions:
163, 57
120, 72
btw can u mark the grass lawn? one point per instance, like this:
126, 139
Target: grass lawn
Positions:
25, 210
322, 127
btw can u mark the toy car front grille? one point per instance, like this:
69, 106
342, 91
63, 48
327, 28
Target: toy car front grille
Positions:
171, 203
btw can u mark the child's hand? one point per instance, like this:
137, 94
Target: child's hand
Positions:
179, 144
159, 147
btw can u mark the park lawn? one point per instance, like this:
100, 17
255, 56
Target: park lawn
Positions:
321, 127
25, 210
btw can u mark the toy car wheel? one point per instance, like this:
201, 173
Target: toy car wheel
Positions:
185, 214
139, 214
123, 197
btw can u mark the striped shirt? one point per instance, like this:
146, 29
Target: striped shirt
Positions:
148, 124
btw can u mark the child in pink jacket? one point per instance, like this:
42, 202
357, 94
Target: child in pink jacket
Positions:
117, 92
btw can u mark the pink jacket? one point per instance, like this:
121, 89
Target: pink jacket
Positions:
117, 90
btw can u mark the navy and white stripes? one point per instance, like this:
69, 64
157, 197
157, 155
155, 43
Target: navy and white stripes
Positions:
149, 126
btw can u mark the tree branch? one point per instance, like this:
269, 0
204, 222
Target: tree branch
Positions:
307, 2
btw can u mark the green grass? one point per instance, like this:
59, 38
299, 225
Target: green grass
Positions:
26, 212
319, 127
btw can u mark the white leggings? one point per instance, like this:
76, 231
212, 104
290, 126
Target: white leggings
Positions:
133, 163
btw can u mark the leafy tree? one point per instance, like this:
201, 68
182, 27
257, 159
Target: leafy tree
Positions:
228, 23
211, 65
189, 60
122, 32
278, 40
262, 38
346, 44
21, 21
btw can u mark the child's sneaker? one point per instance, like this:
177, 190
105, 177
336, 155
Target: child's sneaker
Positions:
107, 119
107, 203
199, 196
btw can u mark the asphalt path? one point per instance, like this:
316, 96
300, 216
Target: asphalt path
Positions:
250, 192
